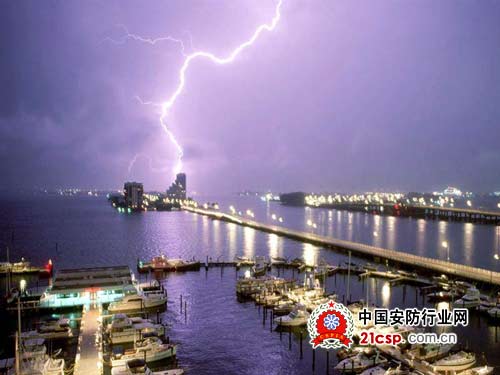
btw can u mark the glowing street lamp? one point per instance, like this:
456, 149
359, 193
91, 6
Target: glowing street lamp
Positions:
446, 245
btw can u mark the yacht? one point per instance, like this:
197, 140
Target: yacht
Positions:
137, 302
297, 317
360, 362
139, 366
124, 329
51, 330
430, 352
455, 362
150, 349
470, 299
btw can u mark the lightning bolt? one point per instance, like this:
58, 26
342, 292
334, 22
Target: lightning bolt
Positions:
150, 161
167, 105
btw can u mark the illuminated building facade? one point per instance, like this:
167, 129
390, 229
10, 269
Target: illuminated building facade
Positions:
178, 188
133, 192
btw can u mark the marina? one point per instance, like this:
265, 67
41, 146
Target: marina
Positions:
296, 284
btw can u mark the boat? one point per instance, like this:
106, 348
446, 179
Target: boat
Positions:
481, 370
260, 266
162, 263
139, 366
442, 295
33, 348
278, 261
283, 308
360, 362
399, 370
297, 317
430, 352
127, 329
52, 328
53, 367
455, 362
296, 263
494, 312
138, 302
151, 349
377, 370
470, 299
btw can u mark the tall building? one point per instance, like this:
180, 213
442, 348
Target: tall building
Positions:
133, 192
178, 188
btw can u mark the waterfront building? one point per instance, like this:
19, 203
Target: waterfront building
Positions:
133, 192
452, 191
77, 287
178, 188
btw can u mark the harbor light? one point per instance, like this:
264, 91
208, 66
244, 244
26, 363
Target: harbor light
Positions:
496, 256
280, 219
469, 203
273, 216
247, 274
375, 234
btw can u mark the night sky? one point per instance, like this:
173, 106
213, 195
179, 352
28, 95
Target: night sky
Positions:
341, 96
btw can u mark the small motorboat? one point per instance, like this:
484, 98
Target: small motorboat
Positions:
278, 261
470, 299
139, 366
360, 362
297, 317
50, 329
138, 302
124, 329
150, 349
455, 362
260, 267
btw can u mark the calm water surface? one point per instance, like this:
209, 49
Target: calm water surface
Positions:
218, 335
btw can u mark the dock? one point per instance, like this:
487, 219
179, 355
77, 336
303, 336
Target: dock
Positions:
413, 261
88, 360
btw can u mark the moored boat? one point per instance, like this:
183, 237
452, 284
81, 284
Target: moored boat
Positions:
150, 349
455, 362
139, 366
138, 302
125, 329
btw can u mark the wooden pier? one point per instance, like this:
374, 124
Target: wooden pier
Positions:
88, 361
413, 261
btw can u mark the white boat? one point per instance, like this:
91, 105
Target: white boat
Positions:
360, 362
377, 370
124, 329
46, 333
472, 298
138, 302
54, 325
53, 367
430, 352
139, 366
296, 318
399, 370
481, 370
260, 267
455, 362
494, 312
150, 349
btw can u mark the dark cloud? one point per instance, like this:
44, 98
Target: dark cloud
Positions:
342, 95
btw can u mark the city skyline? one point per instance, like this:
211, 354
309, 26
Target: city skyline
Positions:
339, 96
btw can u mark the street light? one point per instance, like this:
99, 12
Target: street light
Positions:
375, 234
446, 245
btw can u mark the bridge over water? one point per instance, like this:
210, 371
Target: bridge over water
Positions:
413, 261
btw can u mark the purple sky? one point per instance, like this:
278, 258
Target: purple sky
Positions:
342, 95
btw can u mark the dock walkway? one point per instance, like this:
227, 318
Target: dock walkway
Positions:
89, 354
435, 265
